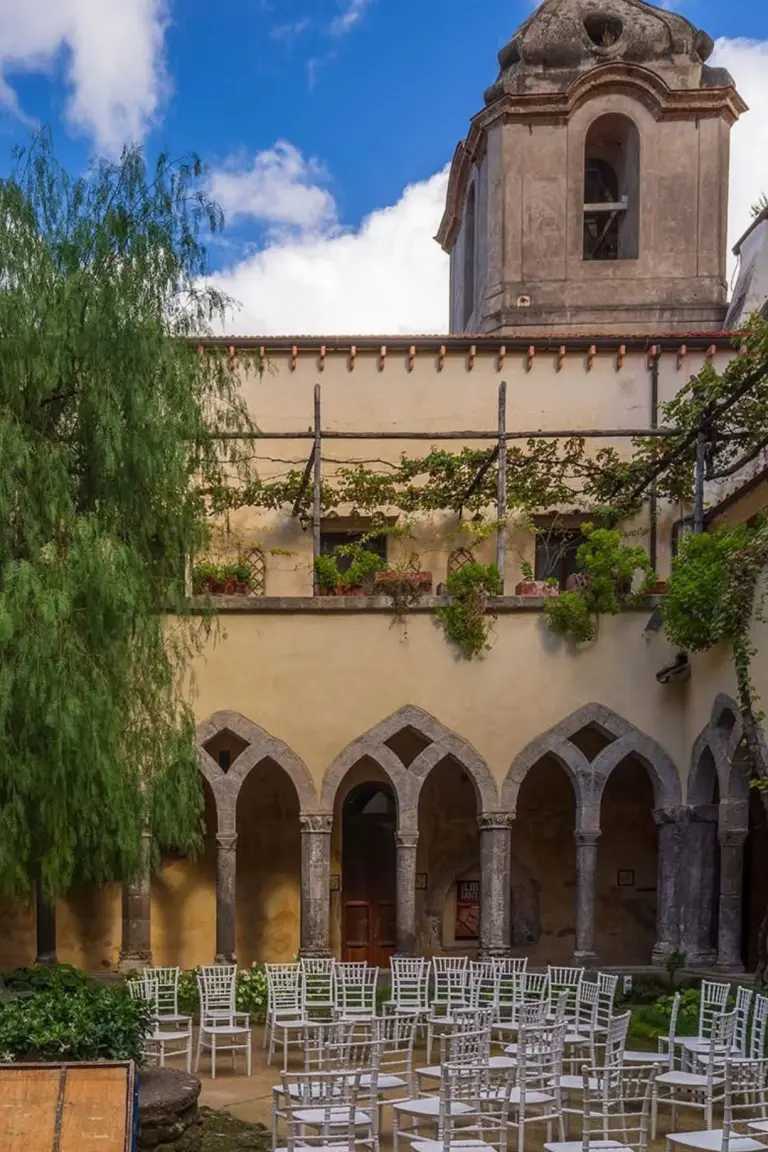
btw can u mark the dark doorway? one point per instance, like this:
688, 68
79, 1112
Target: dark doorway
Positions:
368, 874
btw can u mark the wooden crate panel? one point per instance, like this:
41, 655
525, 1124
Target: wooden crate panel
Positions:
66, 1108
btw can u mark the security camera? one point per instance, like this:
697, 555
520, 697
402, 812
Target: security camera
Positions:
675, 673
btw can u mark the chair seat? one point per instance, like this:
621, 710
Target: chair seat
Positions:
712, 1141
213, 1029
431, 1073
292, 1024
580, 1038
516, 1095
167, 1036
429, 1106
576, 1084
638, 1057
677, 1079
593, 1145
383, 1083
330, 1116
501, 1063
173, 1018
439, 1145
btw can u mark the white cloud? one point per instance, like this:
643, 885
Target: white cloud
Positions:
289, 32
277, 187
351, 14
114, 60
747, 61
388, 275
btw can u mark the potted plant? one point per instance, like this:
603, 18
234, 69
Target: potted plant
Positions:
356, 579
206, 580
529, 586
418, 581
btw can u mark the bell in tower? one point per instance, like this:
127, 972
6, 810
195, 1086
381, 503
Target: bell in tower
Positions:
591, 194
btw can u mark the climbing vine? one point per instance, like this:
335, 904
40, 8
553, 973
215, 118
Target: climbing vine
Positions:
613, 576
465, 619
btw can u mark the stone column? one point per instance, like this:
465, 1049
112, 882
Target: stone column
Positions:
46, 930
586, 868
732, 833
699, 885
316, 883
495, 882
226, 887
136, 950
406, 844
668, 883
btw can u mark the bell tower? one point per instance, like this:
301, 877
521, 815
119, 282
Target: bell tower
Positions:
591, 193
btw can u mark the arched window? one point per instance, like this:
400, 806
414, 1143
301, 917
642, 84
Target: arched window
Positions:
470, 228
612, 189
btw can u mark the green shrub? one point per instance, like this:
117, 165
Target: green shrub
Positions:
89, 1022
189, 1001
44, 978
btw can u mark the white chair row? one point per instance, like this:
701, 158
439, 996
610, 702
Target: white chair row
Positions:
312, 990
222, 1027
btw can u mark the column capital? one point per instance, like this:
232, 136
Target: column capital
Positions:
490, 821
664, 816
406, 839
586, 839
732, 837
316, 823
703, 813
227, 841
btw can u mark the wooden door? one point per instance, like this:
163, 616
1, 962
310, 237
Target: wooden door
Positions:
368, 889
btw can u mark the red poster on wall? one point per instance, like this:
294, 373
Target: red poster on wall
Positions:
467, 910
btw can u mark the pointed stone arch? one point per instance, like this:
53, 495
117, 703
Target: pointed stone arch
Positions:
704, 764
589, 777
407, 781
260, 746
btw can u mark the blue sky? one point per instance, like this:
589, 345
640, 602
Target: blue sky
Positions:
314, 116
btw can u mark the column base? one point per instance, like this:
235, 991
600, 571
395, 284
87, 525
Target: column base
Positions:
225, 958
47, 959
133, 961
585, 959
734, 966
661, 953
494, 953
700, 959
315, 954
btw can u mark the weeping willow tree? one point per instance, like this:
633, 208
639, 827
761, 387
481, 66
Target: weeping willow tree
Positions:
107, 413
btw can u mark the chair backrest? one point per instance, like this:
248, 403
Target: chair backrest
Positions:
333, 1097
450, 980
566, 980
410, 983
744, 998
481, 984
396, 1036
217, 984
616, 1039
714, 997
284, 989
143, 988
356, 989
587, 1004
617, 1106
483, 1114
534, 988
607, 985
540, 1055
167, 989
745, 1101
317, 984
720, 1045
466, 1045
757, 1034
509, 974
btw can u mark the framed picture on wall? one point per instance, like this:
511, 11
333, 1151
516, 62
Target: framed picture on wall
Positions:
467, 910
626, 878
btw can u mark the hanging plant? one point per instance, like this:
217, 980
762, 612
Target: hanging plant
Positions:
465, 620
610, 583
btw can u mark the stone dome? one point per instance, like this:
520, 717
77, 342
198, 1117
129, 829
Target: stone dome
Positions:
565, 38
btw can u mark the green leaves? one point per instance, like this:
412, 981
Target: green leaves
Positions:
696, 608
465, 619
616, 576
107, 413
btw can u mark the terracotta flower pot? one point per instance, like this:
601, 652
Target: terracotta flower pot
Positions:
355, 590
658, 589
241, 588
229, 587
536, 588
420, 580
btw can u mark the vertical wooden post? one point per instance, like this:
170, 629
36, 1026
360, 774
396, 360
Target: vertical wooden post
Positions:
701, 460
318, 450
501, 499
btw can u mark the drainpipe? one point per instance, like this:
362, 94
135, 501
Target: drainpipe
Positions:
653, 502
